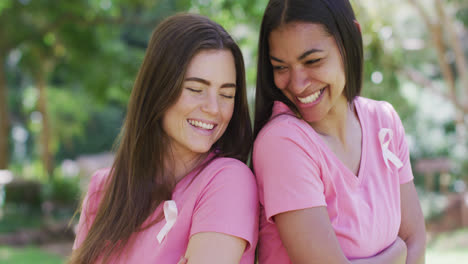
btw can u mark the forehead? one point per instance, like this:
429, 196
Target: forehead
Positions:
213, 66
298, 37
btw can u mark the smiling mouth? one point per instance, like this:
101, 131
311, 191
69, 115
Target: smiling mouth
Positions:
202, 125
311, 98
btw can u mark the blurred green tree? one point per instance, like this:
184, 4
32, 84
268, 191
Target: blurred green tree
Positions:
77, 58
446, 26
421, 50
81, 46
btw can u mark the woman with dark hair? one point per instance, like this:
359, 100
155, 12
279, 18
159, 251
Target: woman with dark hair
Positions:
333, 169
179, 186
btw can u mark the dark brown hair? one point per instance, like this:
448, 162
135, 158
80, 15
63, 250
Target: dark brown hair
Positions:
338, 19
138, 181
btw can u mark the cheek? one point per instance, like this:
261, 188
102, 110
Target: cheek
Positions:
338, 79
167, 126
281, 81
342, 77
186, 100
175, 115
227, 111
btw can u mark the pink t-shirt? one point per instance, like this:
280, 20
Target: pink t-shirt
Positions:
222, 198
296, 170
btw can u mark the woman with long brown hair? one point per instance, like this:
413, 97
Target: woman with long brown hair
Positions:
332, 167
178, 186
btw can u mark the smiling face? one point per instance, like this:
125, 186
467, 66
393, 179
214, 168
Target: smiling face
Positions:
308, 69
202, 112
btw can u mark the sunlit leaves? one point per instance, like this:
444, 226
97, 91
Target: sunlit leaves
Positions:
4, 5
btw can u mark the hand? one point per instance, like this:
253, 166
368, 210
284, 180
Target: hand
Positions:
393, 254
182, 260
399, 246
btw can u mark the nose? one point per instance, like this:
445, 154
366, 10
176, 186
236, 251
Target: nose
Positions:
210, 104
299, 80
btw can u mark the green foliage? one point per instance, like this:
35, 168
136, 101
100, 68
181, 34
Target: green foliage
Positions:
92, 50
19, 216
88, 53
463, 171
242, 19
5, 4
400, 47
382, 59
9, 255
32, 193
31, 170
62, 191
100, 132
68, 110
24, 192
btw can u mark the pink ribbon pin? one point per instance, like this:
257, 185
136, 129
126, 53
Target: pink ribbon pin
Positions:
387, 154
170, 214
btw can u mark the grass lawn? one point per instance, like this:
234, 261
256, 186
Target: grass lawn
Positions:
446, 257
27, 255
448, 248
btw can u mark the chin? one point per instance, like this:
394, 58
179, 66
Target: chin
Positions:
309, 117
201, 149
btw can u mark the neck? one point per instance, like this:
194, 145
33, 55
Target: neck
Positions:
336, 123
179, 166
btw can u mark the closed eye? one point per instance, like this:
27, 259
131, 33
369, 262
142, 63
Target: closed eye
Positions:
227, 96
313, 61
278, 68
194, 90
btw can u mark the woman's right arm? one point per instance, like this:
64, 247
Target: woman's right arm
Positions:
89, 206
319, 243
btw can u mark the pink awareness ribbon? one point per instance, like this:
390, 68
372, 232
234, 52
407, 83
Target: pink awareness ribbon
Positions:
170, 214
387, 154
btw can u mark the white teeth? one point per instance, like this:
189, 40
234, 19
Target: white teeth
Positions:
310, 98
201, 124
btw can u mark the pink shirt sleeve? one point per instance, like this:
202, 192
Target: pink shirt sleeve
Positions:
89, 207
405, 173
287, 172
229, 204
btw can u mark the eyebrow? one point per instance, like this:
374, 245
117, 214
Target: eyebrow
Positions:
206, 82
303, 55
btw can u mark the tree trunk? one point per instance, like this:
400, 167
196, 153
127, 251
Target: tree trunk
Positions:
46, 153
4, 119
455, 43
437, 27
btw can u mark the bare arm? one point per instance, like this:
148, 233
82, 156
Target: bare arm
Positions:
412, 228
308, 237
200, 249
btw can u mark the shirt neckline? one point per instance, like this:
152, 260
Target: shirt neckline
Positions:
184, 183
281, 108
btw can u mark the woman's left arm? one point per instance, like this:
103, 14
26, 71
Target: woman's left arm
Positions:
213, 247
225, 217
412, 228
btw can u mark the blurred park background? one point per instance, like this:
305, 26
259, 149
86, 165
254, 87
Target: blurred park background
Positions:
67, 69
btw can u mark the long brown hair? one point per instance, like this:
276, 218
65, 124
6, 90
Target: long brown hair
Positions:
138, 181
338, 19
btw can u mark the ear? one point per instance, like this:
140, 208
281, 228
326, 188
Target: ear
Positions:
357, 25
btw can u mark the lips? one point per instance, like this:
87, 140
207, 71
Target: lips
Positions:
310, 98
201, 124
